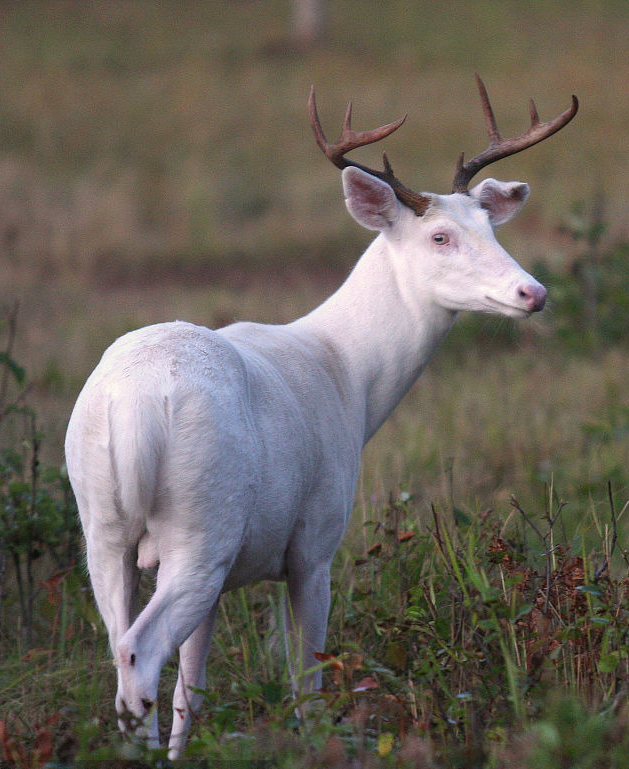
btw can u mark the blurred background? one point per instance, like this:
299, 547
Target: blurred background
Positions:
156, 162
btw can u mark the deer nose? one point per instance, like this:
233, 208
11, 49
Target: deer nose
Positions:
533, 296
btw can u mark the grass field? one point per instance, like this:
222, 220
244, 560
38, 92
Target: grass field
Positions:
156, 162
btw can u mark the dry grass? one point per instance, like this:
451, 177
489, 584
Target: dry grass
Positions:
489, 424
146, 149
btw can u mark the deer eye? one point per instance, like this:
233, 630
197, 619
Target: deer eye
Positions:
441, 239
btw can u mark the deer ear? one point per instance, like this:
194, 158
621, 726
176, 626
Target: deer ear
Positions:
369, 200
502, 200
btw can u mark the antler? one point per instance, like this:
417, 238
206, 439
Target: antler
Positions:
500, 148
350, 140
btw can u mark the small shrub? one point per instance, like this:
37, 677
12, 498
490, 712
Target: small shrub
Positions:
38, 517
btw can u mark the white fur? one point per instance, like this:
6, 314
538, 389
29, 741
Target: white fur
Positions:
232, 456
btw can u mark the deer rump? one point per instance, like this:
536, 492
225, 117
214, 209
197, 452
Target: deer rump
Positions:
203, 426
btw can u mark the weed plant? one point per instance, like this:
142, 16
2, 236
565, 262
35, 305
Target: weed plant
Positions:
37, 513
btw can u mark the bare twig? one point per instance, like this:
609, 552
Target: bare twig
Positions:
552, 520
11, 368
516, 504
437, 532
608, 556
547, 551
6, 374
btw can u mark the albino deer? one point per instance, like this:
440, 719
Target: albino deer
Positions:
231, 456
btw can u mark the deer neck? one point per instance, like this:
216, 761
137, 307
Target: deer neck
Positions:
382, 331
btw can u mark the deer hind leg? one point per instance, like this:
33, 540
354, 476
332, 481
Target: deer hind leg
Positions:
115, 578
192, 659
306, 625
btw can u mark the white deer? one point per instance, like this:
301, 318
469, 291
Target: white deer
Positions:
232, 456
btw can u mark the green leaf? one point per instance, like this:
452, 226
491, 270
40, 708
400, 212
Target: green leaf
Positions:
596, 590
272, 692
396, 656
19, 374
608, 663
524, 611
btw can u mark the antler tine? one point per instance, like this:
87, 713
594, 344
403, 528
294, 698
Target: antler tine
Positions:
350, 140
492, 127
533, 113
500, 148
315, 124
347, 123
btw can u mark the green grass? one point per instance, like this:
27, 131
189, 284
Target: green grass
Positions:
463, 637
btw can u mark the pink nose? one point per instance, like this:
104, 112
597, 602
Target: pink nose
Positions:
534, 296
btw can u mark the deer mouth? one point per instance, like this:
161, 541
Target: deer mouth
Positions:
505, 308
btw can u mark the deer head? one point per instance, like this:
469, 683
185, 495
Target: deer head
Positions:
445, 243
